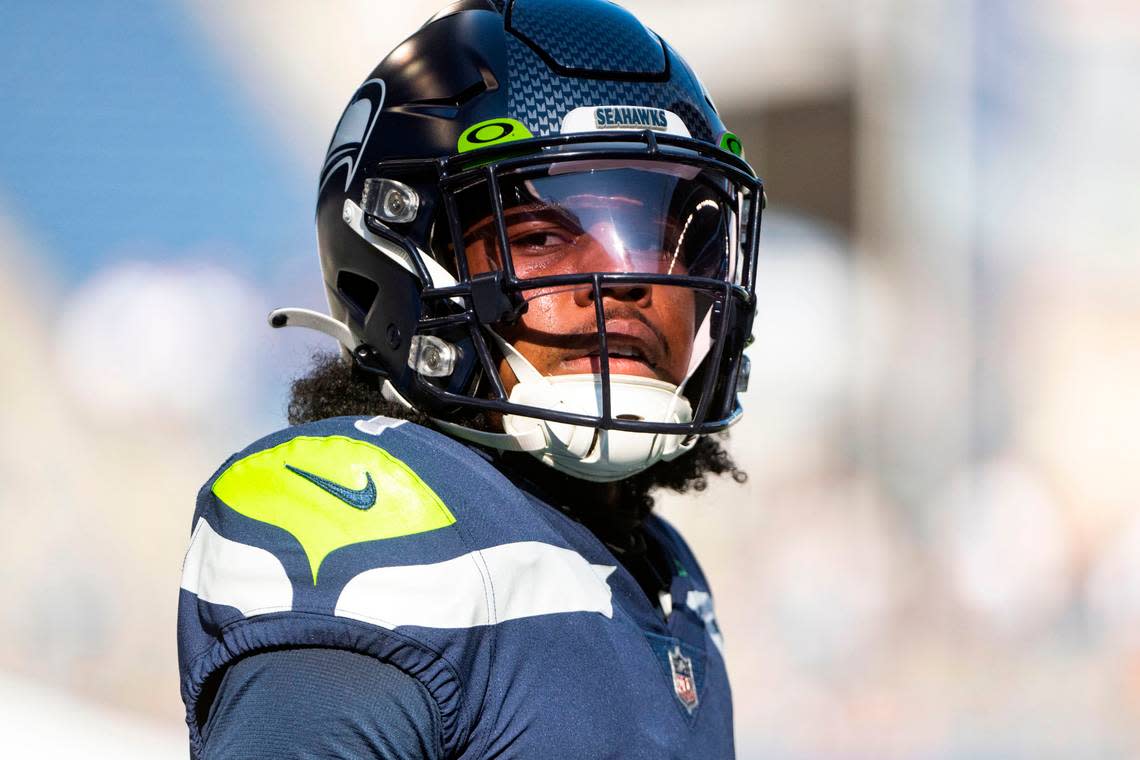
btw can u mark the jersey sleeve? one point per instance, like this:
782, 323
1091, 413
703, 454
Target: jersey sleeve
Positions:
302, 703
283, 529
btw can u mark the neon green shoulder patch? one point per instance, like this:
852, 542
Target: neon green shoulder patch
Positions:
331, 492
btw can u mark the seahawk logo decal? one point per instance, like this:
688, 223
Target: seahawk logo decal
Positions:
626, 117
353, 131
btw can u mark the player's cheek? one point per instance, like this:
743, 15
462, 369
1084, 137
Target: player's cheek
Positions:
676, 317
551, 311
545, 315
478, 259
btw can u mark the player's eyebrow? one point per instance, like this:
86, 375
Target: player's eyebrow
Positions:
528, 212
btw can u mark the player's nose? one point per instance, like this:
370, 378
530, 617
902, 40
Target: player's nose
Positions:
608, 254
639, 293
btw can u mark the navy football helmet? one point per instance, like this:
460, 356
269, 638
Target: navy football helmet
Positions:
510, 154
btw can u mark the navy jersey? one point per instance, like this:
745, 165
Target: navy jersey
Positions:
393, 541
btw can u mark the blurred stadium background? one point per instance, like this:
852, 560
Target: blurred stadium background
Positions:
937, 554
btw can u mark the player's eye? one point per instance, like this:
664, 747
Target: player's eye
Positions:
538, 242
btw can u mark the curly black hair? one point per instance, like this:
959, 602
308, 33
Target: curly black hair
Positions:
333, 387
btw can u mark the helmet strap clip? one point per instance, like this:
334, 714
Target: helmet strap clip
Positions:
367, 359
493, 304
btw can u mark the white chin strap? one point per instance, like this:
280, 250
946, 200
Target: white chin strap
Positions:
585, 452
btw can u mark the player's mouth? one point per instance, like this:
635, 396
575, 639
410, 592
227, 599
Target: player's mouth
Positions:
633, 348
623, 361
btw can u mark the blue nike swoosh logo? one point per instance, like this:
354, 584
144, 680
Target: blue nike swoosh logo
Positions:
360, 498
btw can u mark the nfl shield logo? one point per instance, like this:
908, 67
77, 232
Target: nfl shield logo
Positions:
683, 684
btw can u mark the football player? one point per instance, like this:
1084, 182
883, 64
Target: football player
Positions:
538, 242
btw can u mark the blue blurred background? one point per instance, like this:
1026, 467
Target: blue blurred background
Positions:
937, 554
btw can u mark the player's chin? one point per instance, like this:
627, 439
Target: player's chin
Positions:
619, 365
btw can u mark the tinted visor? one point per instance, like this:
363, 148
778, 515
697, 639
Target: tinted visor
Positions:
598, 216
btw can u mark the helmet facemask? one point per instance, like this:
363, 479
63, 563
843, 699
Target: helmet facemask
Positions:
603, 300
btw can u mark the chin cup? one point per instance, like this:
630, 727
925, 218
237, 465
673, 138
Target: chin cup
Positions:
595, 454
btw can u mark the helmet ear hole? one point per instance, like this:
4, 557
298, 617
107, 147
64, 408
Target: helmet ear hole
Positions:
357, 292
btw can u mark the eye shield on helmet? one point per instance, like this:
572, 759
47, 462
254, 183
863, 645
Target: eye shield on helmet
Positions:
642, 217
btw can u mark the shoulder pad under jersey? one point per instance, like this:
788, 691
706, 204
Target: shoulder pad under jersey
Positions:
298, 511
336, 534
383, 538
378, 521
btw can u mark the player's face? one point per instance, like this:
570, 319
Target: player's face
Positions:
585, 217
649, 328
